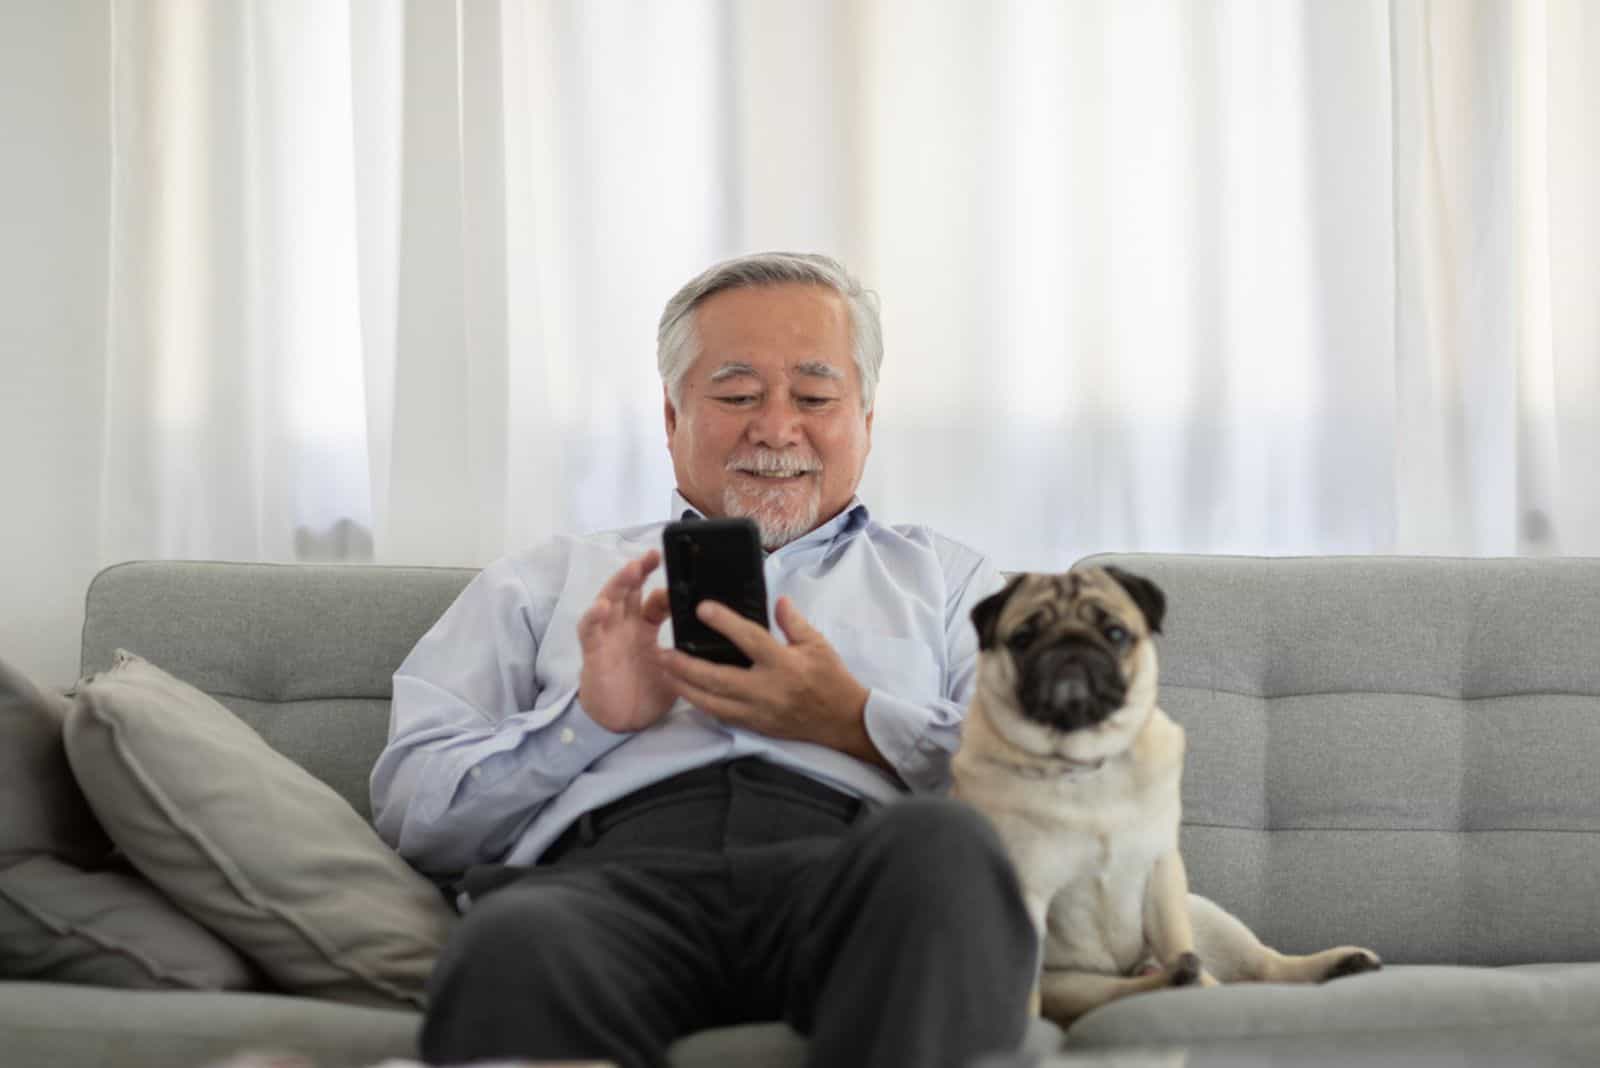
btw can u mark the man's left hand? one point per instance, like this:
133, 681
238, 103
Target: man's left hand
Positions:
801, 691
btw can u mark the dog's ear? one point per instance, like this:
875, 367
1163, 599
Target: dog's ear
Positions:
986, 613
1146, 594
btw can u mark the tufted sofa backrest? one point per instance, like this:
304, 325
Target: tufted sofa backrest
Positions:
304, 653
1399, 752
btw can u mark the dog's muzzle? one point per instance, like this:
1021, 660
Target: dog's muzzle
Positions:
1070, 685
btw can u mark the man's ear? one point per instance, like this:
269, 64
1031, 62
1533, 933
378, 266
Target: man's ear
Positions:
669, 412
986, 613
1146, 594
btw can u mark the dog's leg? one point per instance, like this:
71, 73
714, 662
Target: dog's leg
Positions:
1168, 930
1335, 963
1068, 995
1038, 906
1234, 954
1169, 935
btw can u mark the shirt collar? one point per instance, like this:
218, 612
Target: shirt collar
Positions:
850, 519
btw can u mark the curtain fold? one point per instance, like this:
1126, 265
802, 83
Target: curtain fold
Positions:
235, 403
1175, 275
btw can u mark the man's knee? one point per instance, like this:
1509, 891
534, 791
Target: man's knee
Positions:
513, 936
931, 877
516, 980
942, 845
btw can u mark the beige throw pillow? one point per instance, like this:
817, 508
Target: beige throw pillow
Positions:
249, 843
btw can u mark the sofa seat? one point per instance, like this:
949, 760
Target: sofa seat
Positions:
1400, 998
776, 1045
1527, 1046
57, 1025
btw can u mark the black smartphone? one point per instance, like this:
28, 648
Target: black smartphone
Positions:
717, 560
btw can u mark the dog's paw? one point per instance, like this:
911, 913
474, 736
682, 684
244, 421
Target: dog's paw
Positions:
1185, 970
1354, 963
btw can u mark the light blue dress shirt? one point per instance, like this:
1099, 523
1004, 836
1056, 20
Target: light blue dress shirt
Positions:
490, 755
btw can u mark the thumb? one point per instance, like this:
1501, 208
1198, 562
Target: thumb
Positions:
795, 627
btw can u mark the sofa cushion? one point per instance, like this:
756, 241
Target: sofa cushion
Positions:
1399, 998
106, 928
249, 843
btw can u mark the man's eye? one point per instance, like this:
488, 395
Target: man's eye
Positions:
815, 402
738, 400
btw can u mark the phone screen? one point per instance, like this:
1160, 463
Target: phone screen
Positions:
717, 560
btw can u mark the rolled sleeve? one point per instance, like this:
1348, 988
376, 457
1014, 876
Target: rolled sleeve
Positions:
916, 739
919, 737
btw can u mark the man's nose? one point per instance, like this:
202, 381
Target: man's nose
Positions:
776, 424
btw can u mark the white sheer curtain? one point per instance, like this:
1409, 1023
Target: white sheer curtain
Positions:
1157, 274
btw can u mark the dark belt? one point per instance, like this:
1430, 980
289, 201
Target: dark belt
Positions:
713, 781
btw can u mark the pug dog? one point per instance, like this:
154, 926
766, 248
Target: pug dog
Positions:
1066, 752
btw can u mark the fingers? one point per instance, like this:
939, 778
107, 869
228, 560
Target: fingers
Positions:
795, 627
640, 569
622, 588
620, 598
593, 619
629, 578
725, 708
656, 608
753, 640
702, 677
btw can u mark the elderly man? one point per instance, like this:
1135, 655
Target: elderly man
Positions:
650, 844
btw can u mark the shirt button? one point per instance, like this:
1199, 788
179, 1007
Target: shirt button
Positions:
567, 735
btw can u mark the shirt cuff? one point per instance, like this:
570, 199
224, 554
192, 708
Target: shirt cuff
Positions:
554, 755
574, 741
917, 749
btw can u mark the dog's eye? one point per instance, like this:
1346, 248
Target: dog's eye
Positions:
1022, 637
1117, 636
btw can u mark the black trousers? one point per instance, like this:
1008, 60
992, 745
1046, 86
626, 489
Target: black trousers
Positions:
891, 936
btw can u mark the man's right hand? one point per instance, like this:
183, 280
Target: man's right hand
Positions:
621, 688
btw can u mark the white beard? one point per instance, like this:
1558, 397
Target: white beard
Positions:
774, 507
779, 525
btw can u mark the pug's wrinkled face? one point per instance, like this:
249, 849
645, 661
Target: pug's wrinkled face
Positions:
1066, 662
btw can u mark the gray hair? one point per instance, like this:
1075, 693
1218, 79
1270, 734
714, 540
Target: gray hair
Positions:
678, 346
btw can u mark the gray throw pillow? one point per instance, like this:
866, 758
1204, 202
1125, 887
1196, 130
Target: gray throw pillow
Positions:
249, 843
41, 808
106, 928
66, 915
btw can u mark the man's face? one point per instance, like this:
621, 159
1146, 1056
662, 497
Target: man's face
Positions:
770, 423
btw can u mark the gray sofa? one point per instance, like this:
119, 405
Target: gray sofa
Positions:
1396, 752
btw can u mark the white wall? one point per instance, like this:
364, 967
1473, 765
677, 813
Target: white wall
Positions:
54, 178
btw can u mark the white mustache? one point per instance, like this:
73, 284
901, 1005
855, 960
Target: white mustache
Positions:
774, 463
